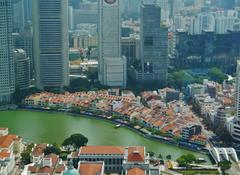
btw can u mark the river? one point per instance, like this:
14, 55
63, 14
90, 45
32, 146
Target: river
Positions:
42, 127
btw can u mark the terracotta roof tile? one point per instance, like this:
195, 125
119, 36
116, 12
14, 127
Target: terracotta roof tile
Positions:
135, 171
90, 168
136, 154
39, 149
101, 150
6, 141
4, 154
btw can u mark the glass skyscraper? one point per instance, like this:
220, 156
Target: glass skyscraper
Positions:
50, 31
154, 43
7, 79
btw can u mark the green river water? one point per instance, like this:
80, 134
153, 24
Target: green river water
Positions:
44, 127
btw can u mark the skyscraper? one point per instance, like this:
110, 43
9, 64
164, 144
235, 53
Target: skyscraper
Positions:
154, 43
112, 66
22, 69
18, 15
236, 123
50, 30
7, 79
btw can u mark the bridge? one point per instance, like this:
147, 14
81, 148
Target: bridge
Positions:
221, 154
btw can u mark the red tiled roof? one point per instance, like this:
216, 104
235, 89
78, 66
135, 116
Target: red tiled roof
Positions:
39, 149
2, 129
136, 154
45, 170
135, 171
4, 154
6, 141
101, 150
90, 168
32, 169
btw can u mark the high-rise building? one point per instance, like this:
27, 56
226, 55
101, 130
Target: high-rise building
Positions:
7, 79
24, 40
165, 9
28, 10
112, 66
224, 23
203, 22
235, 131
70, 18
50, 30
18, 15
154, 44
22, 69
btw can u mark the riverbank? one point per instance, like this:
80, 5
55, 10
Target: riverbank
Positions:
145, 134
54, 127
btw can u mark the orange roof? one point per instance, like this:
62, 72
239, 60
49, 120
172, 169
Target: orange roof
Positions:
39, 149
6, 141
135, 171
54, 158
136, 154
101, 150
32, 169
90, 168
45, 170
2, 129
4, 154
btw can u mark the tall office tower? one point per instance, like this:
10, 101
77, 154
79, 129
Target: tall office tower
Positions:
18, 15
28, 10
24, 41
236, 123
165, 9
112, 66
202, 22
50, 41
70, 18
131, 8
154, 43
224, 23
22, 69
7, 79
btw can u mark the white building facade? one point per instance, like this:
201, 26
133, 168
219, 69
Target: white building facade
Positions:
112, 66
236, 122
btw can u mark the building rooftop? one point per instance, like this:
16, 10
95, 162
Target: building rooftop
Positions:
7, 140
91, 168
101, 150
135, 171
136, 154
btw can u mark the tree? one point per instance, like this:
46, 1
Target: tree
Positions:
75, 140
25, 155
25, 158
169, 157
225, 165
151, 154
217, 75
160, 156
185, 160
53, 149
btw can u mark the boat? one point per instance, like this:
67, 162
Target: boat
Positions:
201, 159
109, 117
118, 126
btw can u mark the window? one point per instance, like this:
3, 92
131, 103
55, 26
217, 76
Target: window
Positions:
148, 41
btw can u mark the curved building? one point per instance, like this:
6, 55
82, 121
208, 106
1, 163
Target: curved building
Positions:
22, 69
